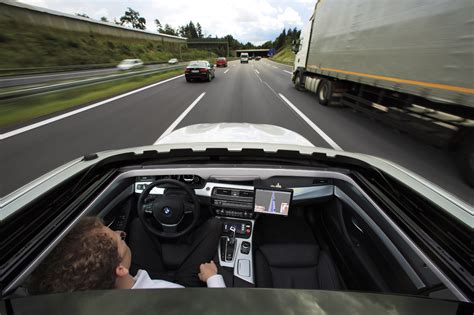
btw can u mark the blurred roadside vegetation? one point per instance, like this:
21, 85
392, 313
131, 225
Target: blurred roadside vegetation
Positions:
24, 45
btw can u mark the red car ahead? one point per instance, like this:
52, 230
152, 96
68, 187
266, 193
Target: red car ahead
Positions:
221, 62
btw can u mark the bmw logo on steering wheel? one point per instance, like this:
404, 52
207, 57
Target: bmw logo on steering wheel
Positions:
167, 212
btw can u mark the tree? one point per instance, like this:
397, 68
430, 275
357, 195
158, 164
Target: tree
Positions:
280, 40
199, 30
159, 28
133, 17
104, 19
188, 30
169, 30
83, 15
267, 45
192, 30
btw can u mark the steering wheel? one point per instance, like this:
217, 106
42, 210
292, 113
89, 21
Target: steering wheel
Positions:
168, 211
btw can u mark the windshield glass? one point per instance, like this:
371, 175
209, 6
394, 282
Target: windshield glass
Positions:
198, 64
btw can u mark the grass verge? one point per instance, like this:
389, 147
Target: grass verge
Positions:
17, 111
285, 56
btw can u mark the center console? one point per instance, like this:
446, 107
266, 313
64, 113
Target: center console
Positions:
235, 208
231, 202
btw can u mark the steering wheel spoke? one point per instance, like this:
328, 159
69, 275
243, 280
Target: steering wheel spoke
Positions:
172, 228
188, 207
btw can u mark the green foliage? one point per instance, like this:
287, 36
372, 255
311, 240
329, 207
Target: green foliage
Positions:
24, 46
4, 38
133, 17
83, 15
285, 38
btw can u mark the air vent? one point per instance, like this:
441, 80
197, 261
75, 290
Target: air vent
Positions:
222, 192
246, 194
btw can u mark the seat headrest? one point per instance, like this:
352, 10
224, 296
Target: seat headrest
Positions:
291, 255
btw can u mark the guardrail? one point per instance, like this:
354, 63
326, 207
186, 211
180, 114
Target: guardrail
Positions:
79, 83
6, 72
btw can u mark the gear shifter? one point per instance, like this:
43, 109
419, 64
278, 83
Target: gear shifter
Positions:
232, 236
229, 245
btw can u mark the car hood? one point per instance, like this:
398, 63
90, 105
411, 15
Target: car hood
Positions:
234, 133
231, 301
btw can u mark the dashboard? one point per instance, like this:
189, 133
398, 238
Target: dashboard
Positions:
235, 200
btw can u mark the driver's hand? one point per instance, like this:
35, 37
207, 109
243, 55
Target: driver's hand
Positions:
207, 270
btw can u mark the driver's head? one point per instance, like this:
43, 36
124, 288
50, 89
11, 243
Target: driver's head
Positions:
90, 257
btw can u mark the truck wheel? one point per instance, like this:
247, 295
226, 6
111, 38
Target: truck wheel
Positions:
298, 83
324, 92
466, 159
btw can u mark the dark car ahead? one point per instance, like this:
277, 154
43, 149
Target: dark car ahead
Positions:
199, 70
221, 62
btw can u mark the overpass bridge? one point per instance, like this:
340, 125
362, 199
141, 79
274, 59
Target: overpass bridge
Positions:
252, 52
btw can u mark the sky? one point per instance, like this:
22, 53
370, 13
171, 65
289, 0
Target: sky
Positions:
255, 21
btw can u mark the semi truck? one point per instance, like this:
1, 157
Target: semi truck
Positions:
407, 63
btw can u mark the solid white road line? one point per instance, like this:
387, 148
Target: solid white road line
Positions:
80, 110
288, 72
257, 71
181, 117
323, 135
226, 71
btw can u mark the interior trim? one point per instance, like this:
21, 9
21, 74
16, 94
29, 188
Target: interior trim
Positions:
411, 273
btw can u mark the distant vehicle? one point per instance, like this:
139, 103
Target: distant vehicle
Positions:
258, 58
221, 62
244, 58
251, 57
409, 88
173, 61
200, 70
128, 64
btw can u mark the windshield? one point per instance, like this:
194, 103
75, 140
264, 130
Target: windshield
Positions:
128, 61
387, 83
198, 64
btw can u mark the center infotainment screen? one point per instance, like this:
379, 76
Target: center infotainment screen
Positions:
272, 201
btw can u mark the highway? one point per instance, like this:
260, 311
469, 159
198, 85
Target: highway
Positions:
258, 92
35, 79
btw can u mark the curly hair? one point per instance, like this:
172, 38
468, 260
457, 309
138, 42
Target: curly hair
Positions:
85, 259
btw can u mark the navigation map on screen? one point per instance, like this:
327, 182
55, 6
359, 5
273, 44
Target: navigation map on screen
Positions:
272, 201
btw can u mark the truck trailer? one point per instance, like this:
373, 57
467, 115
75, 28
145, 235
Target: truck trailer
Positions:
408, 63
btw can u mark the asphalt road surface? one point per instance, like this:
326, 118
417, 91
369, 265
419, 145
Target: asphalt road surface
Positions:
258, 92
